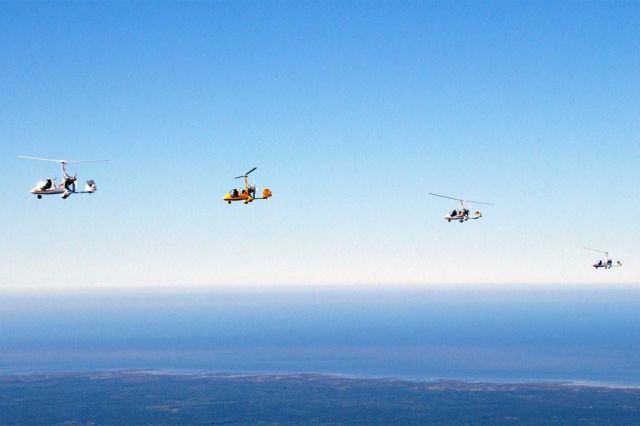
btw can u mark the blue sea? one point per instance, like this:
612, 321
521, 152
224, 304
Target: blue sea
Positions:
507, 335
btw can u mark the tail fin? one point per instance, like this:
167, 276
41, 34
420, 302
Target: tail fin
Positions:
90, 186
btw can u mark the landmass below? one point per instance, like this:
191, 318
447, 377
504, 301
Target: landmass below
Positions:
159, 398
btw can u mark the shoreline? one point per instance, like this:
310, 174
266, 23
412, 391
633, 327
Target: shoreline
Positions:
437, 381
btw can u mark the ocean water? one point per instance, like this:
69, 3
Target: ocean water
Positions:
590, 335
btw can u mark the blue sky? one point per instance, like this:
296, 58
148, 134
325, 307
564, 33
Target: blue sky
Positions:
352, 112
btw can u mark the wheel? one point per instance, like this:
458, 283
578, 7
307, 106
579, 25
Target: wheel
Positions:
39, 197
461, 220
229, 202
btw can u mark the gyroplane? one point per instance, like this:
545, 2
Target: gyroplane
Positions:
463, 214
248, 194
607, 262
67, 186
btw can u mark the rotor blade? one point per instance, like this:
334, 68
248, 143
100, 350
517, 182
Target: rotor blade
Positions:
86, 161
478, 202
42, 159
60, 161
246, 174
600, 251
444, 196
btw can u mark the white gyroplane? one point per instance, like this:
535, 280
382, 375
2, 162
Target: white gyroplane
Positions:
65, 188
463, 214
607, 262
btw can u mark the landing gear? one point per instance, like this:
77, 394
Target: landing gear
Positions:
229, 202
39, 197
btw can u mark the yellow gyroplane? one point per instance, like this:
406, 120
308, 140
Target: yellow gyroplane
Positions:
248, 194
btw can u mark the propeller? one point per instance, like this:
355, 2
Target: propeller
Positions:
246, 174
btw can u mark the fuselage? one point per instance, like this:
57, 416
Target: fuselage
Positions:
242, 196
461, 216
245, 195
52, 191
49, 187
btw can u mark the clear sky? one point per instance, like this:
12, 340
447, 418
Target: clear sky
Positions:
352, 112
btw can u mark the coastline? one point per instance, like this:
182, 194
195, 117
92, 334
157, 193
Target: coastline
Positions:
459, 383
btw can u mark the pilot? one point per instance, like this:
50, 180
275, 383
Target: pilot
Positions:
48, 184
454, 213
600, 262
234, 193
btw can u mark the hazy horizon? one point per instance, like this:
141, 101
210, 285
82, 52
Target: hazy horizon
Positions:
586, 335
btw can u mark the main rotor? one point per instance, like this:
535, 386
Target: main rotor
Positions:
63, 163
60, 161
246, 174
246, 177
606, 253
462, 201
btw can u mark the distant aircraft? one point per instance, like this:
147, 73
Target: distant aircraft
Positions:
461, 215
67, 186
606, 263
248, 194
